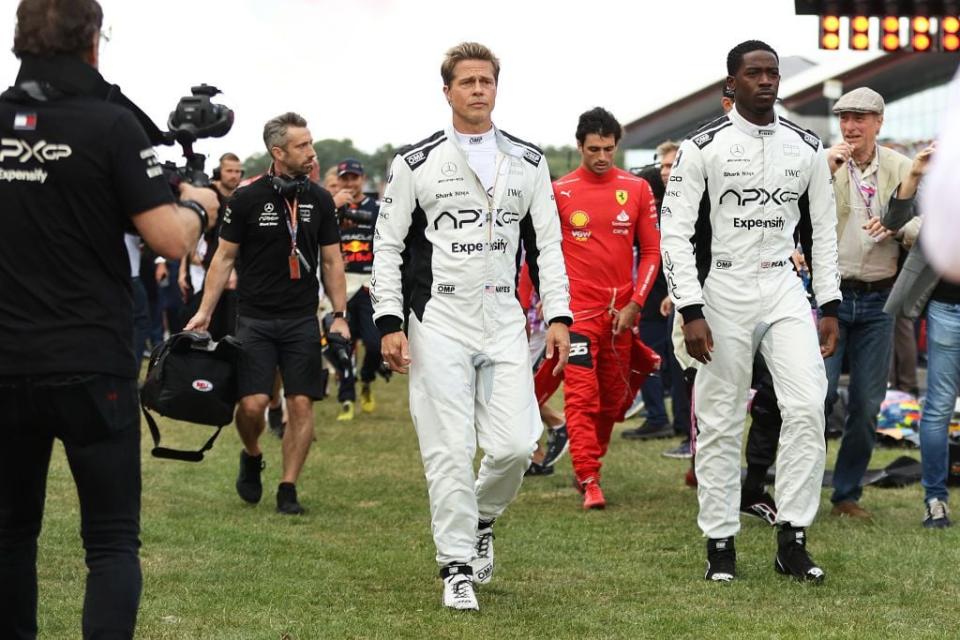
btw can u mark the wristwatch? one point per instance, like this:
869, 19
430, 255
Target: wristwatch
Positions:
340, 314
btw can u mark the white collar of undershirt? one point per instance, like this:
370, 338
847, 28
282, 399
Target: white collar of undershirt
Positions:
476, 141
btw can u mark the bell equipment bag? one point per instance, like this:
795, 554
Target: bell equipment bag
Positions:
191, 378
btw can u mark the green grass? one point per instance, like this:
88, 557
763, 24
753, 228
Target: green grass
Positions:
360, 563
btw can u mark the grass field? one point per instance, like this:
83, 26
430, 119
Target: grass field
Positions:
360, 563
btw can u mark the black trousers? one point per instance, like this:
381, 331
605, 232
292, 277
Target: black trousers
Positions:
97, 418
362, 327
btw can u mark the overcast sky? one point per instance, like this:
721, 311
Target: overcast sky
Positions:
368, 70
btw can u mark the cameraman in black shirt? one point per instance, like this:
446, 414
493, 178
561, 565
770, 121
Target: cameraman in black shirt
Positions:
76, 169
278, 230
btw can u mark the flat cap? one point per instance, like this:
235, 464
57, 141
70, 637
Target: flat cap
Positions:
861, 100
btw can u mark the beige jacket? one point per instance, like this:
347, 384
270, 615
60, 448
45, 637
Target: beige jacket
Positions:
894, 167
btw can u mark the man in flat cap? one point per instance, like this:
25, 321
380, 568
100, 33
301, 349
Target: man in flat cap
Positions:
866, 178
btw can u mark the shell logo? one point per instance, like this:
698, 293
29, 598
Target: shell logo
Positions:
202, 385
579, 219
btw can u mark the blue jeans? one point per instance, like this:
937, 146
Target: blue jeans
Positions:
656, 334
866, 337
943, 379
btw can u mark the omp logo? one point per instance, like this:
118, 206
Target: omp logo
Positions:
476, 139
579, 349
579, 219
446, 289
723, 263
41, 151
700, 139
202, 385
765, 132
760, 196
751, 223
415, 158
676, 178
463, 217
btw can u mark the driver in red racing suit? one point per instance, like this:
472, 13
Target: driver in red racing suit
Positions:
603, 211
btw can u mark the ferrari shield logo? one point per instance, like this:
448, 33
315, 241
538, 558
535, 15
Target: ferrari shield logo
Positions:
621, 197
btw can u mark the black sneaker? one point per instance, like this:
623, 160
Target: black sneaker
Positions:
275, 421
938, 516
557, 442
792, 557
721, 560
681, 452
759, 505
536, 469
648, 431
249, 486
287, 500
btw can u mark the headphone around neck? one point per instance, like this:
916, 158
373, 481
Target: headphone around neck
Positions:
288, 187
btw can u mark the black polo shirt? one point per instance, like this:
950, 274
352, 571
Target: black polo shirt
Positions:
73, 170
256, 220
356, 238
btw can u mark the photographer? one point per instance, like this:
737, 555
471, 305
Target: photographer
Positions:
278, 231
357, 214
76, 169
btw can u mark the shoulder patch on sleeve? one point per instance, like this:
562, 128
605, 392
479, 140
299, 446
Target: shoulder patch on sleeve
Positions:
416, 154
705, 136
809, 137
531, 152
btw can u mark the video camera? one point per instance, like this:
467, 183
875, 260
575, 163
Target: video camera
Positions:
195, 117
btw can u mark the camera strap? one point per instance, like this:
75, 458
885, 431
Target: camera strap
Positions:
44, 79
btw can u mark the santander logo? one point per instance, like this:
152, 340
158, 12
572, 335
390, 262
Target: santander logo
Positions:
202, 385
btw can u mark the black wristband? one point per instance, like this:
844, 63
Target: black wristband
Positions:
340, 314
198, 209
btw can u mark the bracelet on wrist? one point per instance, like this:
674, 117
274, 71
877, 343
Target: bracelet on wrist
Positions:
198, 209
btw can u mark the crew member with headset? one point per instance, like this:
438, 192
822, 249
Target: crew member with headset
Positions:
279, 231
77, 170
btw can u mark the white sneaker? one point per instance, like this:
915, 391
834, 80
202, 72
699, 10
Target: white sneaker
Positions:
458, 590
482, 562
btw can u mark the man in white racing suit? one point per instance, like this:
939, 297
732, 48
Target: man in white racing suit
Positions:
742, 188
455, 209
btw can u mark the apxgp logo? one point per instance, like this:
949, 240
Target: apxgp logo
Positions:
760, 196
41, 151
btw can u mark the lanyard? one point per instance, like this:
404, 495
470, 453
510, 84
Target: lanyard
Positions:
293, 223
866, 191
